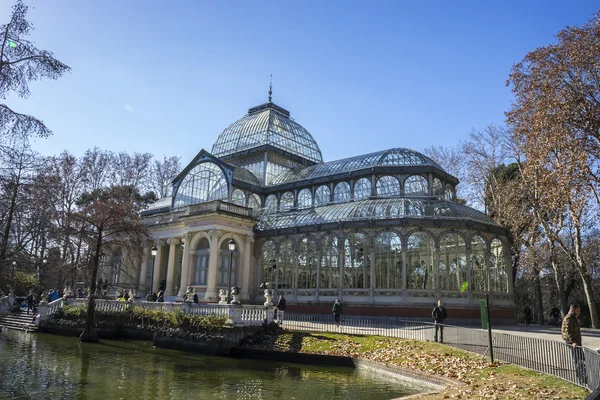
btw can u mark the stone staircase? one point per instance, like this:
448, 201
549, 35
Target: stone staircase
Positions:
19, 321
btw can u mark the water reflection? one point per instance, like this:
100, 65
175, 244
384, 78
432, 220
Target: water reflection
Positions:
39, 366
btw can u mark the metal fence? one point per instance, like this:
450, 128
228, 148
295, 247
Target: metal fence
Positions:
580, 366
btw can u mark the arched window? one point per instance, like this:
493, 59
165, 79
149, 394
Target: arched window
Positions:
307, 264
287, 201
438, 187
286, 265
304, 198
479, 271
341, 192
225, 258
271, 202
254, 202
330, 272
453, 262
357, 265
201, 262
416, 185
498, 273
238, 197
322, 195
388, 261
420, 255
204, 182
449, 193
388, 186
268, 262
362, 189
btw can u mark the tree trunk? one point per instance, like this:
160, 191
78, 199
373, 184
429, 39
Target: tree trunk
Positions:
89, 335
559, 279
539, 305
585, 277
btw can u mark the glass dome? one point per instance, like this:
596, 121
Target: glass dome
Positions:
267, 124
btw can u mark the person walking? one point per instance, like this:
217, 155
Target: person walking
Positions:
281, 305
439, 315
29, 299
337, 311
571, 334
555, 315
527, 313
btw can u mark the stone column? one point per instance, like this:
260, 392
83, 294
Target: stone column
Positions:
144, 268
173, 242
436, 265
213, 265
157, 263
469, 291
245, 284
185, 263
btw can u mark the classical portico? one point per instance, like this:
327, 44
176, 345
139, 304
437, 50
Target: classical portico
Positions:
194, 253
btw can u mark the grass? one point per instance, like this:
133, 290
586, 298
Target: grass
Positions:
476, 378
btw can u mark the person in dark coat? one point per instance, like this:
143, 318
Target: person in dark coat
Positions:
571, 334
337, 311
555, 315
195, 298
281, 305
439, 315
161, 297
527, 313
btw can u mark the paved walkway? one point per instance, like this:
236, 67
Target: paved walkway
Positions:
590, 337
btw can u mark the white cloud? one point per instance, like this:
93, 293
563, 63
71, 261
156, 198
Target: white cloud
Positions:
128, 107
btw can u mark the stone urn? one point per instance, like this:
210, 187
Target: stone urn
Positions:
223, 296
268, 297
235, 293
189, 295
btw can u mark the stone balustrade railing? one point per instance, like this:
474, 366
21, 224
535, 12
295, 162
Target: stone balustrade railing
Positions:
237, 315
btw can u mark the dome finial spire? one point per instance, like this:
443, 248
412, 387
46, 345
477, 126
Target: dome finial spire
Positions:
271, 88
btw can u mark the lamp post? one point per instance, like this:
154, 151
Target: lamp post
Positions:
154, 251
231, 250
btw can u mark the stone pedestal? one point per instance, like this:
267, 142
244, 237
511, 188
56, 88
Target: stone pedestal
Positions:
223, 296
268, 297
235, 293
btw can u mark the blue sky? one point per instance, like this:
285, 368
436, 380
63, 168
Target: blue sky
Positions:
167, 77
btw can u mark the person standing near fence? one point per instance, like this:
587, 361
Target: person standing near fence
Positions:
571, 334
439, 315
281, 306
337, 311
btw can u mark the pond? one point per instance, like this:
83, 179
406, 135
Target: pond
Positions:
43, 366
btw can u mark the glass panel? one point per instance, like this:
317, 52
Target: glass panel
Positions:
254, 202
330, 272
388, 186
322, 195
449, 193
228, 262
204, 182
419, 262
416, 185
271, 202
341, 192
238, 197
388, 261
287, 201
304, 198
453, 262
286, 265
201, 262
438, 187
268, 262
307, 264
362, 189
357, 266
479, 270
498, 273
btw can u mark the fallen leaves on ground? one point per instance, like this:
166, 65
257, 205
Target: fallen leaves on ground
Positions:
477, 376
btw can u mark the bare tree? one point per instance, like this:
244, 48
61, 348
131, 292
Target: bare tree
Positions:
21, 62
163, 173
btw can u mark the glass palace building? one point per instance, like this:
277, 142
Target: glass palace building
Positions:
380, 231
